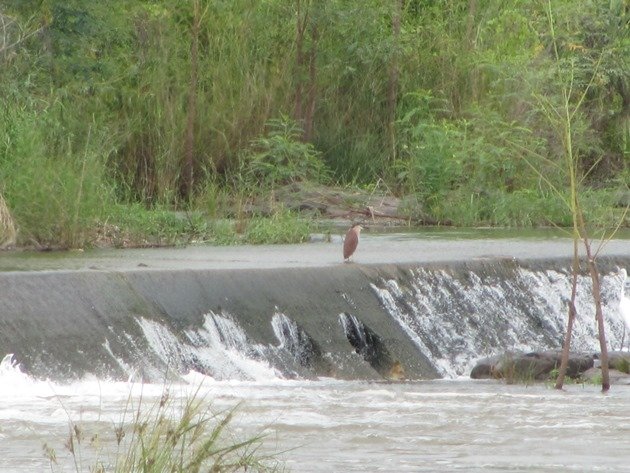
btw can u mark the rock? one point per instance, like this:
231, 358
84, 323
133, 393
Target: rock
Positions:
594, 375
396, 372
515, 366
619, 360
485, 368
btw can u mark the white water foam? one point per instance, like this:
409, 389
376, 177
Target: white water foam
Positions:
455, 321
403, 427
286, 331
624, 304
219, 349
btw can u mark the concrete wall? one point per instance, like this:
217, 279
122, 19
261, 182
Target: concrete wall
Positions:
67, 323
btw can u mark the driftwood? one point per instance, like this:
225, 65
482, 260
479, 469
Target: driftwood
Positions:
335, 203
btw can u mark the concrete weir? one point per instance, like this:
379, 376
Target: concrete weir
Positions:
406, 308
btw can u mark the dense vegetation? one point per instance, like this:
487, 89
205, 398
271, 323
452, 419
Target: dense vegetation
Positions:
114, 113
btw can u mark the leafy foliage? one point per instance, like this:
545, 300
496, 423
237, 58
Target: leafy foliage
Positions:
97, 112
281, 158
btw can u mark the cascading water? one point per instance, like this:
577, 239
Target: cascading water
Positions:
432, 321
292, 338
220, 349
355, 331
624, 304
455, 319
370, 346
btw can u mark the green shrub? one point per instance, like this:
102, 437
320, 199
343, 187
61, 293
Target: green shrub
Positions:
429, 162
280, 157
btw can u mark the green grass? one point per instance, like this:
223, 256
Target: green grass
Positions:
171, 435
132, 225
282, 227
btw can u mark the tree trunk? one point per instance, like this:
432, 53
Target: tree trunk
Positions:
392, 89
597, 296
566, 347
312, 85
187, 179
599, 315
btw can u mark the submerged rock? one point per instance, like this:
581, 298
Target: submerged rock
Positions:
594, 375
539, 366
515, 366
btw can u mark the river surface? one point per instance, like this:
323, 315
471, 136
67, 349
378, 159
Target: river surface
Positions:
341, 426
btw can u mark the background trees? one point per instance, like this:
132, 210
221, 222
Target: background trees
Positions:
161, 103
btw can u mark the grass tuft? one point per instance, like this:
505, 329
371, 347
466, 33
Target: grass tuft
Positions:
171, 435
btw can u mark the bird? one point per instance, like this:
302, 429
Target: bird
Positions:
351, 241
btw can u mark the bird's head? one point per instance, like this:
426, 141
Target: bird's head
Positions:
357, 227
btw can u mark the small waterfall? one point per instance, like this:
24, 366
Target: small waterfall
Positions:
8, 365
293, 339
298, 353
456, 318
369, 345
624, 303
417, 322
356, 332
220, 349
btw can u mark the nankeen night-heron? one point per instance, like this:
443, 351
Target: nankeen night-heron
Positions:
351, 241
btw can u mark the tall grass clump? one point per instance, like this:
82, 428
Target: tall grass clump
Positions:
56, 185
352, 66
171, 108
188, 439
173, 435
281, 227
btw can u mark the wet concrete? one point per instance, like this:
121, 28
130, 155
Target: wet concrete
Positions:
373, 250
67, 314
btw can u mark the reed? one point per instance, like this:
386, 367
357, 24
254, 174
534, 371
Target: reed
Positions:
183, 435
